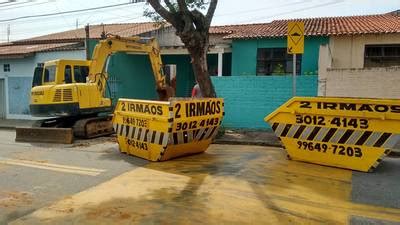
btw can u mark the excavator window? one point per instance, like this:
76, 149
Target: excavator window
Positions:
49, 74
68, 74
81, 73
37, 77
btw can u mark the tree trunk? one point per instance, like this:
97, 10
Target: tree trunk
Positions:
199, 65
192, 27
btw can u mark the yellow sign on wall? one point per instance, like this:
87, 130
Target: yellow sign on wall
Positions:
295, 38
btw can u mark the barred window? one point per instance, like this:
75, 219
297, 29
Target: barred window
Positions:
276, 61
382, 55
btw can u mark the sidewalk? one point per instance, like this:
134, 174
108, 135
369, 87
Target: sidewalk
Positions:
232, 137
248, 137
11, 123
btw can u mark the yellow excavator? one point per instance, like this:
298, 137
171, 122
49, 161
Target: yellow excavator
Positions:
73, 92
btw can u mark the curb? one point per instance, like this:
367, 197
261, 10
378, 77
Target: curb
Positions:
394, 154
7, 127
244, 142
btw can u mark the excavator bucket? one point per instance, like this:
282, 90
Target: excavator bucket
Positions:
349, 133
44, 134
159, 131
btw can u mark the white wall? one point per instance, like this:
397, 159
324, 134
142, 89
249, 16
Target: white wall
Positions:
365, 83
342, 73
348, 51
46, 56
24, 67
167, 37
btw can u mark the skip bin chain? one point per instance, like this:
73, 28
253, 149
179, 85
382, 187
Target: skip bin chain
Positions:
159, 131
342, 132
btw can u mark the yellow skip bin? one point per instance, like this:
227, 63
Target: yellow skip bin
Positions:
158, 131
342, 132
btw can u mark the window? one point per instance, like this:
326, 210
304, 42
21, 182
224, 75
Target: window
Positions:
68, 74
275, 61
49, 74
80, 73
40, 65
382, 55
6, 67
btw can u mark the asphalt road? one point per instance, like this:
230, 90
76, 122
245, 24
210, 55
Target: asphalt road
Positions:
35, 175
229, 184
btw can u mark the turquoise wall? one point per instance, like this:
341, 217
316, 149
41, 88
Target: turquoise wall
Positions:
248, 99
184, 74
244, 53
134, 76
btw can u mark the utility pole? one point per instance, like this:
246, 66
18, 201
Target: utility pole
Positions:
103, 33
87, 41
76, 24
294, 75
8, 33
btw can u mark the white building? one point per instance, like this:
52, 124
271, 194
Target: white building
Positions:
362, 59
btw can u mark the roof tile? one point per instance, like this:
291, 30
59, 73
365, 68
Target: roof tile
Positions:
95, 31
350, 25
28, 49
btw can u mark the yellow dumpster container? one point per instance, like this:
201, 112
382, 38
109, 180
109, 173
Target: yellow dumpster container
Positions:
349, 133
158, 131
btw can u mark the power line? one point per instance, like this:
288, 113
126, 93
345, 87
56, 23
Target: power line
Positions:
65, 12
12, 3
262, 9
22, 35
33, 20
7, 2
23, 6
333, 2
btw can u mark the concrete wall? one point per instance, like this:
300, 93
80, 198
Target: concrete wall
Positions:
244, 54
342, 72
248, 99
366, 83
18, 81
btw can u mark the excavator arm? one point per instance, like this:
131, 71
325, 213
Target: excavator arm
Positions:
105, 48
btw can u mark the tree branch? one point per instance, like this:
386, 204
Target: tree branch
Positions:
182, 6
198, 19
210, 12
170, 6
162, 11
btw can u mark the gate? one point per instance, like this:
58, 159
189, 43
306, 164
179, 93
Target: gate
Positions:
2, 100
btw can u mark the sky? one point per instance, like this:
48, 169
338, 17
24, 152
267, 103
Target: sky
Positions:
16, 15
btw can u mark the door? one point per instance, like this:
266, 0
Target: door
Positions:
2, 100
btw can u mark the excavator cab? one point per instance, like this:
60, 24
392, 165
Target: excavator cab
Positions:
61, 72
59, 88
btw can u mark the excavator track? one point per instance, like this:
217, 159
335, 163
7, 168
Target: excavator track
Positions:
93, 127
63, 130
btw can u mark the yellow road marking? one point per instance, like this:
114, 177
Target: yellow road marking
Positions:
52, 167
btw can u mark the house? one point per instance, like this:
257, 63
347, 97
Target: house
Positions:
17, 62
362, 58
19, 58
343, 56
